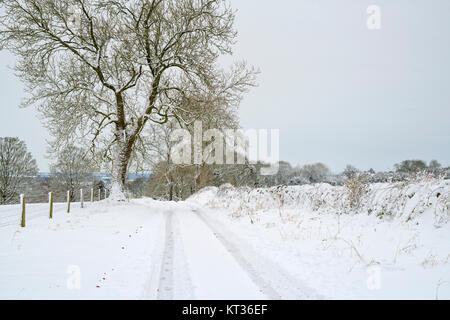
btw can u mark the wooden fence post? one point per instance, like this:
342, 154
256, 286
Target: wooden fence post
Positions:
50, 200
99, 194
22, 202
81, 198
68, 201
92, 195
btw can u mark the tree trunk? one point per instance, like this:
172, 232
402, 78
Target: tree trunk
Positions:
171, 192
119, 170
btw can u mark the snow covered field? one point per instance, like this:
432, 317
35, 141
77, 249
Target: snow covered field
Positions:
397, 246
227, 243
110, 248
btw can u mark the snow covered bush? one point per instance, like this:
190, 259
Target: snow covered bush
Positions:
357, 187
403, 200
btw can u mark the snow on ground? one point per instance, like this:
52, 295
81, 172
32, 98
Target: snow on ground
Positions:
400, 255
109, 246
212, 266
227, 243
145, 249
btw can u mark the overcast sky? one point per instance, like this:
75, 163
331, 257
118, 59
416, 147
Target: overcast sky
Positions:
339, 92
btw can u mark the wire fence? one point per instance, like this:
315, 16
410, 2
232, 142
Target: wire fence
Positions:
20, 214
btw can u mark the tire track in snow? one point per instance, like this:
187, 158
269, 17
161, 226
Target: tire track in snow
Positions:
182, 281
168, 278
151, 291
275, 282
215, 272
166, 283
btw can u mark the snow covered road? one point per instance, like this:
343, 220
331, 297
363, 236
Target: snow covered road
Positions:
212, 270
199, 261
142, 250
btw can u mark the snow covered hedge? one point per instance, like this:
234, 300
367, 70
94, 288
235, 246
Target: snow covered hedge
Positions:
402, 200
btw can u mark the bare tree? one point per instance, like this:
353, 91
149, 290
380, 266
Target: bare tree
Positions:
101, 70
177, 181
137, 187
162, 183
434, 167
16, 166
315, 173
350, 171
71, 170
410, 166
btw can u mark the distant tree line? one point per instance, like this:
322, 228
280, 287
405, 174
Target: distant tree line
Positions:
71, 171
248, 175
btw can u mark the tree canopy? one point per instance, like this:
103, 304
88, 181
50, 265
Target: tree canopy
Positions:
99, 71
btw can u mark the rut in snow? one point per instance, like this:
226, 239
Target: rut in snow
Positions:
166, 283
273, 281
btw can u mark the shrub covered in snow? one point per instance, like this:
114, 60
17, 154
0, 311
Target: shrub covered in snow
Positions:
403, 200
